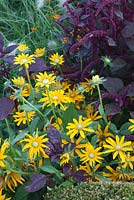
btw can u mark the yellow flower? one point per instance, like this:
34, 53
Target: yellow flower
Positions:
96, 80
64, 159
26, 90
36, 145
55, 123
3, 196
92, 114
116, 175
39, 52
24, 59
3, 148
22, 47
103, 135
90, 155
20, 81
87, 86
56, 59
45, 80
74, 95
80, 126
56, 97
23, 117
118, 147
131, 128
128, 160
12, 180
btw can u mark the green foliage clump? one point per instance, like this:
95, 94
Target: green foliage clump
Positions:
93, 191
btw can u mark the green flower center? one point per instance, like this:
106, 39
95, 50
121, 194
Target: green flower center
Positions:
23, 61
35, 144
118, 147
57, 60
45, 81
128, 159
55, 98
91, 155
72, 95
79, 126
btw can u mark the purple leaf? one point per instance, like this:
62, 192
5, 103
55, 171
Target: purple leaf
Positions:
1, 42
112, 109
38, 182
10, 49
6, 106
131, 90
9, 59
128, 30
132, 114
38, 66
113, 85
80, 176
130, 42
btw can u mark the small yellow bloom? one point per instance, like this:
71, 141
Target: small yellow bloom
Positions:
3, 148
20, 81
92, 114
23, 117
36, 145
56, 97
45, 80
80, 126
39, 52
56, 59
26, 90
22, 47
3, 196
117, 146
74, 95
12, 180
103, 135
87, 86
131, 128
24, 60
64, 159
116, 175
90, 155
128, 160
96, 80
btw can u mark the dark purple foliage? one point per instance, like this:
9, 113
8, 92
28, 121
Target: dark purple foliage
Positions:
38, 66
54, 144
6, 106
38, 182
81, 176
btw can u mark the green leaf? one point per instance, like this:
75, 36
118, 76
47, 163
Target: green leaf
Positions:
124, 129
49, 168
20, 136
21, 194
34, 124
26, 107
67, 183
69, 114
94, 140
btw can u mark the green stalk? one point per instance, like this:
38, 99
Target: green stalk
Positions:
34, 108
101, 104
8, 127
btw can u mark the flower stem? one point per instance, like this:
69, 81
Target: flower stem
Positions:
101, 104
32, 106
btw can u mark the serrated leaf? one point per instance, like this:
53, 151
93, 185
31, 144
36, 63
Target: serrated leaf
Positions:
34, 124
